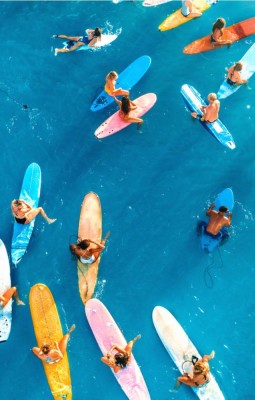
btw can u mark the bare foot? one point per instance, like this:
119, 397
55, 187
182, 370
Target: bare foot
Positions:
72, 328
194, 114
56, 52
106, 236
50, 221
137, 338
20, 303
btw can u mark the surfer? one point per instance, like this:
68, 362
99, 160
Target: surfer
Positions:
217, 32
86, 252
92, 37
9, 293
126, 106
110, 82
217, 220
234, 77
121, 358
200, 374
188, 11
24, 213
210, 112
53, 355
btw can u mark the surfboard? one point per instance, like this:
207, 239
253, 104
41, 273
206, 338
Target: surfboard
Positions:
30, 192
105, 40
5, 284
181, 349
208, 243
194, 101
47, 327
126, 79
151, 3
114, 123
107, 333
234, 32
90, 227
177, 18
248, 61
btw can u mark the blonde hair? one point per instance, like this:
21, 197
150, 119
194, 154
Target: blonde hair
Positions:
212, 96
111, 75
201, 368
238, 66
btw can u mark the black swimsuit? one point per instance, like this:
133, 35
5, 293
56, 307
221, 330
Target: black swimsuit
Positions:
21, 221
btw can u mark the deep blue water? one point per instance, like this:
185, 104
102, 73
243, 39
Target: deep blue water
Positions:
153, 188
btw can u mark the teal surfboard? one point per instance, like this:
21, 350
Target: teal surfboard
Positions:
30, 192
248, 61
126, 79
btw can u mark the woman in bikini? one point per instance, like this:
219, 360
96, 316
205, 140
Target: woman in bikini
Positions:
110, 82
201, 373
217, 32
121, 357
126, 106
53, 355
210, 112
24, 213
234, 77
86, 251
92, 36
8, 294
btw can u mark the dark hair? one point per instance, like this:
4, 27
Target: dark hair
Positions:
238, 66
97, 32
83, 245
45, 348
125, 105
219, 24
17, 203
223, 209
121, 360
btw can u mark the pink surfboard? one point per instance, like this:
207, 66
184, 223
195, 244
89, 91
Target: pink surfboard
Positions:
107, 333
114, 123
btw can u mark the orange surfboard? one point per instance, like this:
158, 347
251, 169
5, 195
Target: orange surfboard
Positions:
234, 32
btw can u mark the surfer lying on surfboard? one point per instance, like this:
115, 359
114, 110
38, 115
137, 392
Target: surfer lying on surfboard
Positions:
24, 213
200, 375
48, 354
6, 297
121, 357
210, 112
86, 252
92, 36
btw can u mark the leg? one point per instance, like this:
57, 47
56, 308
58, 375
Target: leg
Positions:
63, 342
186, 380
65, 50
8, 295
120, 92
73, 38
194, 14
34, 212
130, 344
134, 119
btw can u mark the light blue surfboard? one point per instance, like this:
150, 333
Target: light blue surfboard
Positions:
208, 243
248, 61
194, 101
30, 192
126, 79
5, 284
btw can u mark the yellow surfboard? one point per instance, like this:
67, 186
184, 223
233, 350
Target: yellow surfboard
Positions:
48, 329
90, 227
176, 19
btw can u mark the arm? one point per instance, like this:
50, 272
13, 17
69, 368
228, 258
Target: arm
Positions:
117, 101
57, 350
208, 212
100, 246
93, 41
228, 219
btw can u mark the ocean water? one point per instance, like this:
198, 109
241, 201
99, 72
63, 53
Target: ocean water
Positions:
153, 187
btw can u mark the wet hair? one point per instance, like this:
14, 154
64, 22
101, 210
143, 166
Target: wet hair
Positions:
219, 24
121, 360
112, 75
223, 209
238, 66
17, 203
201, 368
125, 105
212, 96
45, 348
83, 245
97, 33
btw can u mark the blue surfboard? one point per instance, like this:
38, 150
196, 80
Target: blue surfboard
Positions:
208, 243
127, 79
248, 61
30, 192
194, 101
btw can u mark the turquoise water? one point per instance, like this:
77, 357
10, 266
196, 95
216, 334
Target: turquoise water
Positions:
153, 188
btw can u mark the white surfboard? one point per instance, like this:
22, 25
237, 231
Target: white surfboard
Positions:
5, 283
105, 40
181, 349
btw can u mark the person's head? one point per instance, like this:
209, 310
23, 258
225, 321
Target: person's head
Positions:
97, 33
121, 360
83, 244
45, 349
112, 75
17, 203
125, 104
201, 368
238, 66
212, 97
219, 23
223, 209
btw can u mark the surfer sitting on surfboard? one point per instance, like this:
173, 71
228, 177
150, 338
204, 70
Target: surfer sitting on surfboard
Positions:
110, 82
93, 36
210, 112
126, 106
85, 250
50, 355
121, 357
6, 297
217, 32
217, 220
24, 213
234, 77
187, 10
200, 374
